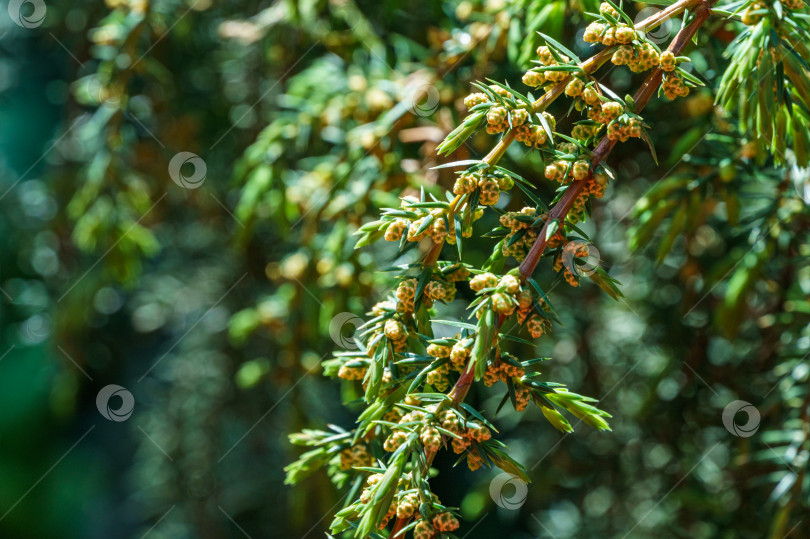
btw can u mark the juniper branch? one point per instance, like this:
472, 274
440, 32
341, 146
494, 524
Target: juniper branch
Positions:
559, 212
601, 152
589, 66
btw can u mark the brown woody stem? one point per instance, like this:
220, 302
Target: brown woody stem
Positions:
603, 149
558, 212
601, 152
588, 66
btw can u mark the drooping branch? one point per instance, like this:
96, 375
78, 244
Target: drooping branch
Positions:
559, 212
561, 209
588, 66
641, 98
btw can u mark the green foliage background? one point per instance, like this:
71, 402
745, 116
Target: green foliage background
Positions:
213, 306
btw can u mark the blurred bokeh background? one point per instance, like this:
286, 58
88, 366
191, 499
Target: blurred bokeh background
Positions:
211, 303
